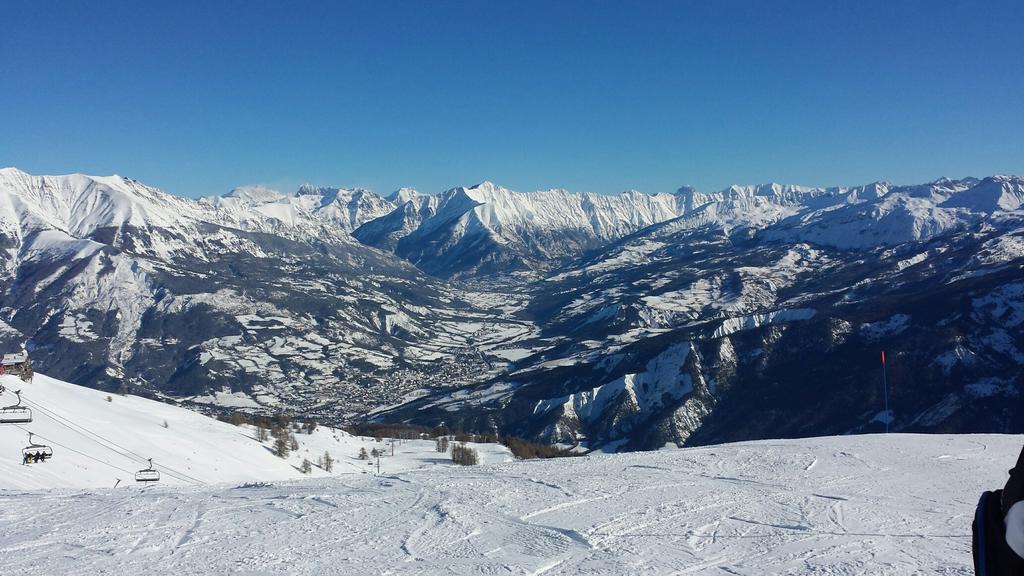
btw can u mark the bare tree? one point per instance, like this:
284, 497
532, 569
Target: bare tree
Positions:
464, 455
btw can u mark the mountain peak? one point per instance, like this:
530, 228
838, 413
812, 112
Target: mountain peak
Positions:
403, 195
11, 170
256, 194
486, 186
991, 194
308, 189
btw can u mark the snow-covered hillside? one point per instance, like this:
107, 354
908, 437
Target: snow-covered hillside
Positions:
884, 504
97, 442
509, 312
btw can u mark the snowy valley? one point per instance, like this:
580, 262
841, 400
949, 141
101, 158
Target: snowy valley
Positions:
621, 322
676, 322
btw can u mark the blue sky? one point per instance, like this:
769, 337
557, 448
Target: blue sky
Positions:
197, 98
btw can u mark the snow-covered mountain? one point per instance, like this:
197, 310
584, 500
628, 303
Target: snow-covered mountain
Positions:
642, 320
487, 229
762, 311
113, 283
309, 207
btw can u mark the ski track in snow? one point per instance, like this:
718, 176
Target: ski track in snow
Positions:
867, 505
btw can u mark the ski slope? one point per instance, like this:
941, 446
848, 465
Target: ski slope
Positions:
97, 443
894, 504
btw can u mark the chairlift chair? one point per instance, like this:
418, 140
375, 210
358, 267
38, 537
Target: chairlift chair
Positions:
148, 474
16, 413
38, 450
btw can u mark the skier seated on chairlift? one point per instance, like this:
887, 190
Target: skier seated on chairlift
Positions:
998, 542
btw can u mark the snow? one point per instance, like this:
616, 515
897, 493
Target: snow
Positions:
662, 377
130, 429
959, 354
97, 442
991, 194
506, 212
883, 504
226, 398
309, 206
843, 217
54, 244
77, 328
628, 255
544, 224
892, 326
513, 354
256, 194
912, 261
1004, 248
739, 324
1005, 304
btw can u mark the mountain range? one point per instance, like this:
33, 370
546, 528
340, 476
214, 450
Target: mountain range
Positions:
618, 322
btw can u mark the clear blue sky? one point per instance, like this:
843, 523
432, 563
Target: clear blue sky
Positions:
598, 96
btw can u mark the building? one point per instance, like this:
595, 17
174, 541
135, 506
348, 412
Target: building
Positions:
18, 364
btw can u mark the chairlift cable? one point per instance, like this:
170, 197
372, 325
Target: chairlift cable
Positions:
82, 430
120, 450
69, 449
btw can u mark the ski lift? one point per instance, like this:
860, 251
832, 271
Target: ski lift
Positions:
148, 474
16, 413
38, 452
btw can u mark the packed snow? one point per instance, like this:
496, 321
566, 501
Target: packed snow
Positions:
884, 504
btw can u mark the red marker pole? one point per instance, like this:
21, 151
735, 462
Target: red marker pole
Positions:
885, 392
